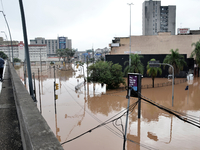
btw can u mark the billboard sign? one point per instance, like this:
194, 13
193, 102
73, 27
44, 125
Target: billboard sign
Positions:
133, 84
154, 64
114, 44
183, 31
62, 42
132, 52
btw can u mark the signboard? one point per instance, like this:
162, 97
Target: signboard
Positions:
183, 31
98, 54
154, 64
132, 52
133, 84
114, 44
62, 42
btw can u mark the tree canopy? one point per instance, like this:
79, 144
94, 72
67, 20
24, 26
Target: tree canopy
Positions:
196, 52
153, 71
65, 53
136, 65
3, 55
176, 60
107, 73
16, 60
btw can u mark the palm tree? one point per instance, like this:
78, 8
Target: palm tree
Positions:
196, 52
136, 65
153, 71
176, 60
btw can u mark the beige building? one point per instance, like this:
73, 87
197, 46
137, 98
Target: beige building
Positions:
4, 42
156, 44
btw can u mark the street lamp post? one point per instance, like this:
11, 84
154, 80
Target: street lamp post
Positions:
154, 64
130, 35
9, 32
7, 41
26, 50
128, 89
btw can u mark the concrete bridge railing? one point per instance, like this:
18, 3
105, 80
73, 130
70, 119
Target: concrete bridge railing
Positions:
35, 132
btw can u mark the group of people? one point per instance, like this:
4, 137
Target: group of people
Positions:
1, 68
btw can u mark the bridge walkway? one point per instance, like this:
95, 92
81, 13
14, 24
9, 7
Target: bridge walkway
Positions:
10, 137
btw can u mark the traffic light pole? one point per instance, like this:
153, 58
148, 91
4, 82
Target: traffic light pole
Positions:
54, 90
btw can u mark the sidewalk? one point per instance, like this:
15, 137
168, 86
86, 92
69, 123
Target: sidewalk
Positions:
10, 138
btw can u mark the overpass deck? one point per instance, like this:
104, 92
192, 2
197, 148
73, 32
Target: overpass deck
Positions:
10, 137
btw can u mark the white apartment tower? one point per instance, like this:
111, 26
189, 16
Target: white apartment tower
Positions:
157, 18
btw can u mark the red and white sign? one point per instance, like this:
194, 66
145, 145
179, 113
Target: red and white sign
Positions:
183, 30
21, 45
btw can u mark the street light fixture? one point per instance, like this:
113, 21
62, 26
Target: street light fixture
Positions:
7, 41
27, 51
128, 89
130, 35
9, 32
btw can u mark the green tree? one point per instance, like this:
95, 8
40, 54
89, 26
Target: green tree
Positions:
176, 60
3, 55
196, 52
136, 65
65, 54
107, 73
16, 60
60, 53
153, 71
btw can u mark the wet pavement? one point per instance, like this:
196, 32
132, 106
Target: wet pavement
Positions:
77, 111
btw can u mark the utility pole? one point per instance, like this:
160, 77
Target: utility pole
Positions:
40, 61
26, 50
56, 87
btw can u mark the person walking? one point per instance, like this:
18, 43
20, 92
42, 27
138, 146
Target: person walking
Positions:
1, 68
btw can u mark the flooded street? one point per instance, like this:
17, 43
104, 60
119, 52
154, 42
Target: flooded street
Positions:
78, 111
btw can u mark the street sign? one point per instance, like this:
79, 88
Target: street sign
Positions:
154, 64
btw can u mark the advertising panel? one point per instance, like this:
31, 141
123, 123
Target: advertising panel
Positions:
114, 44
132, 52
183, 30
133, 84
62, 42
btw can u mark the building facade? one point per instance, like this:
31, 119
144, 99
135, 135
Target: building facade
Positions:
5, 42
157, 18
158, 44
36, 52
53, 44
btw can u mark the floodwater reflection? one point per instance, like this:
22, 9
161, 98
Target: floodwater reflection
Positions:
78, 111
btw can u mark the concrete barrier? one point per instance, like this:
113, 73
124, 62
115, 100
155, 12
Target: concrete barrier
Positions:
35, 132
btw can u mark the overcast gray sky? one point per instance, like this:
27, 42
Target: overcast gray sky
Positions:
87, 22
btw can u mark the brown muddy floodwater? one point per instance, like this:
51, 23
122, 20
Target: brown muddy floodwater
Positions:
79, 111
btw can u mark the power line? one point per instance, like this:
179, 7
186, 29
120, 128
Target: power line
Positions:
104, 123
181, 116
110, 129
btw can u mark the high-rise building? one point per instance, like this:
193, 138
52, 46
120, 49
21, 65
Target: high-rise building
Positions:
53, 44
157, 18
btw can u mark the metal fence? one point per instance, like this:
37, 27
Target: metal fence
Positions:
162, 84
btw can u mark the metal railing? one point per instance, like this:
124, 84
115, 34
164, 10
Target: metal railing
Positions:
163, 84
